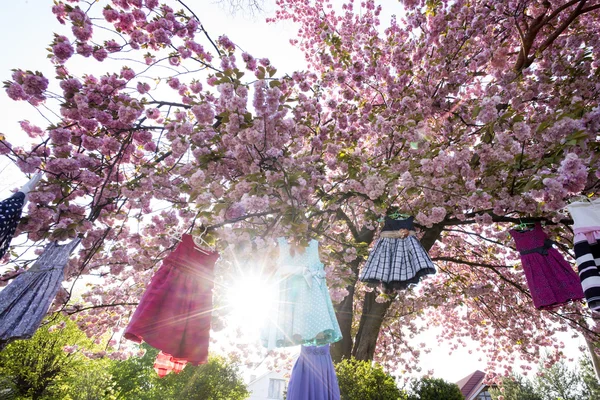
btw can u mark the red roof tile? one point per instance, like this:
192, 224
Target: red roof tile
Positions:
470, 383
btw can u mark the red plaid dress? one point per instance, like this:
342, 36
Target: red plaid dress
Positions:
165, 363
175, 311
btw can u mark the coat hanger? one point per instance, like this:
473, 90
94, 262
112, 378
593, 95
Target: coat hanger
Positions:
172, 234
203, 242
398, 215
581, 198
176, 236
524, 226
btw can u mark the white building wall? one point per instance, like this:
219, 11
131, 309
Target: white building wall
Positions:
259, 388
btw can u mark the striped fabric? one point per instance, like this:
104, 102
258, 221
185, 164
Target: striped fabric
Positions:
586, 227
587, 253
397, 263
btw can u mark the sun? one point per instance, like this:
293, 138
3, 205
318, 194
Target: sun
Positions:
250, 298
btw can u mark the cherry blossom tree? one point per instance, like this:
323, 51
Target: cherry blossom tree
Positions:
470, 115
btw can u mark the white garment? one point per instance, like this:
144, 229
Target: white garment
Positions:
585, 213
29, 186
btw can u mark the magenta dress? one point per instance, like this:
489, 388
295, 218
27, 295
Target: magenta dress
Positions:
551, 279
175, 311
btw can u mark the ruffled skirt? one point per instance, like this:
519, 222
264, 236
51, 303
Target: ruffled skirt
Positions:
396, 263
303, 314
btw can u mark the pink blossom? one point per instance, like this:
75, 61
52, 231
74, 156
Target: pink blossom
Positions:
83, 33
84, 49
573, 173
16, 92
112, 46
34, 84
226, 43
203, 113
174, 83
153, 113
31, 130
161, 36
127, 73
110, 15
143, 87
100, 54
62, 49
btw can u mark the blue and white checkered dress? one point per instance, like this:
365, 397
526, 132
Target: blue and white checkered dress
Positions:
398, 262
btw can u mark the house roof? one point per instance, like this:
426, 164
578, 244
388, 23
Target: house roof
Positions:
471, 383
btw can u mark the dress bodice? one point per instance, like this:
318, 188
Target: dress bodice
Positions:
527, 240
585, 213
187, 255
308, 351
307, 259
397, 224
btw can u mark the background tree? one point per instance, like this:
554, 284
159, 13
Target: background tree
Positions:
516, 388
559, 381
434, 389
51, 365
363, 380
135, 378
588, 377
471, 115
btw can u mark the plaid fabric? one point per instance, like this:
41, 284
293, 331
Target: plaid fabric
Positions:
587, 253
397, 263
166, 363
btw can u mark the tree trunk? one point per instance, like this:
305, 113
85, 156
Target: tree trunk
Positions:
373, 313
345, 314
594, 357
370, 324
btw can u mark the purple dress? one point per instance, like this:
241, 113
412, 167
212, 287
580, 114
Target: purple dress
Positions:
551, 279
313, 376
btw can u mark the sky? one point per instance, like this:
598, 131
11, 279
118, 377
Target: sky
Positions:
26, 28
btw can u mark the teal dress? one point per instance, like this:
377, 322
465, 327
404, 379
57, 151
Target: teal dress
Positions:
304, 313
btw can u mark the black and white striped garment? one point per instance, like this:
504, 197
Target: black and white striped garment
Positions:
10, 214
586, 227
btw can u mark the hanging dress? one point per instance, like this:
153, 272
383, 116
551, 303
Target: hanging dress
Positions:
313, 376
304, 313
586, 229
10, 213
398, 259
174, 313
550, 278
26, 300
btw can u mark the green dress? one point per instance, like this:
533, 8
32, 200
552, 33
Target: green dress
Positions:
304, 313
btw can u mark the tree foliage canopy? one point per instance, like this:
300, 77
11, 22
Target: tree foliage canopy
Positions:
470, 115
361, 380
434, 389
135, 378
54, 365
559, 381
